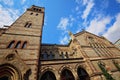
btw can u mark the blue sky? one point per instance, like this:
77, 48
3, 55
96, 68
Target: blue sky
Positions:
100, 17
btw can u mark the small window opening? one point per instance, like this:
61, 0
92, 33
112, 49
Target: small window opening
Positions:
11, 45
18, 44
62, 55
36, 14
31, 13
66, 55
28, 25
40, 10
45, 56
24, 44
34, 9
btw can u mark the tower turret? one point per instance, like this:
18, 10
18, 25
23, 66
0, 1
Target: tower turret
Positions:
24, 37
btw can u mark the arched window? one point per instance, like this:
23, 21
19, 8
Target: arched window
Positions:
28, 25
82, 74
67, 75
57, 55
66, 54
41, 56
11, 45
51, 56
8, 72
45, 56
48, 76
24, 44
18, 44
62, 55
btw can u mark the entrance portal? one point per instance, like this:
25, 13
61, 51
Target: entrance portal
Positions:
82, 74
4, 78
48, 76
67, 75
9, 72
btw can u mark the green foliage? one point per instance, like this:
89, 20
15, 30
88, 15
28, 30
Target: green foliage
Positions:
116, 65
105, 72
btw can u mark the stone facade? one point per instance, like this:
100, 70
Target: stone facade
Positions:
117, 43
24, 57
22, 40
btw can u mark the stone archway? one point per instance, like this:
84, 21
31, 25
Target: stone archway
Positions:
5, 78
66, 75
48, 75
8, 72
82, 74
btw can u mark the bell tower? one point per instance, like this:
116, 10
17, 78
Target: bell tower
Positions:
24, 37
30, 23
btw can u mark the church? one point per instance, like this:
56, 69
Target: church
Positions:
23, 56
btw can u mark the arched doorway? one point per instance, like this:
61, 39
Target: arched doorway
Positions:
8, 72
82, 74
67, 75
4, 78
48, 76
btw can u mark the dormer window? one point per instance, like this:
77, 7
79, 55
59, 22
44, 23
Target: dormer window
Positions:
28, 25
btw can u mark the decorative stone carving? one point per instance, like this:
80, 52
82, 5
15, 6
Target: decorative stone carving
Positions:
10, 57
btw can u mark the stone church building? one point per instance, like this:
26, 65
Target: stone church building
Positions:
24, 57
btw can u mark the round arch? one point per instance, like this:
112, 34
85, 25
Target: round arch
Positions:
82, 74
9, 72
48, 75
66, 75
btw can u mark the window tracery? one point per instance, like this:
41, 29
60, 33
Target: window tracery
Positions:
28, 24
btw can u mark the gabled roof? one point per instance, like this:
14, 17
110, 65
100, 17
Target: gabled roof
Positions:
117, 41
83, 32
77, 34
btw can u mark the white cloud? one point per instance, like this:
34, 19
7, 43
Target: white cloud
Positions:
63, 25
8, 2
98, 25
23, 1
113, 33
85, 2
64, 22
77, 1
64, 40
118, 1
79, 28
88, 9
7, 16
77, 8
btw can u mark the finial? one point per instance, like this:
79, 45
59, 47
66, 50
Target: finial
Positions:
71, 35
